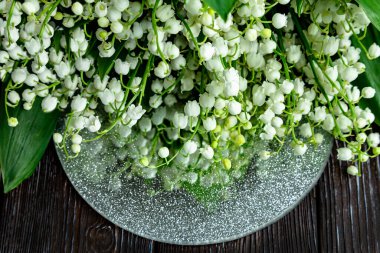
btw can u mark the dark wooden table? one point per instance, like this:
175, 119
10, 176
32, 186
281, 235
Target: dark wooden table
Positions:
45, 214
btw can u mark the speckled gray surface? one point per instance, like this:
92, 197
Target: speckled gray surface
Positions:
270, 190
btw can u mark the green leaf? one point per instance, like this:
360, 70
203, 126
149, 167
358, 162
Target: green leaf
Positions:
372, 9
222, 7
371, 76
105, 64
299, 7
22, 147
56, 44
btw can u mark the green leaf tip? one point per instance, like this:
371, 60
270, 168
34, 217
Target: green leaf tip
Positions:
222, 7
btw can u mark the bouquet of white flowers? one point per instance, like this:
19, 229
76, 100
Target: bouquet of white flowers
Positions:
187, 86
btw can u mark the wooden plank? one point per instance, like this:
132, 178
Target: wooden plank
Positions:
348, 208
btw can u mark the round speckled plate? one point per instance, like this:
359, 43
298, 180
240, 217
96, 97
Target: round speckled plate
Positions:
270, 190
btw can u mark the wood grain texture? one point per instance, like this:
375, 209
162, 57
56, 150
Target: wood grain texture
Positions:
45, 214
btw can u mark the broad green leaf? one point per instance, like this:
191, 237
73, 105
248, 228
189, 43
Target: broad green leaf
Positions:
222, 7
372, 9
371, 76
22, 147
105, 65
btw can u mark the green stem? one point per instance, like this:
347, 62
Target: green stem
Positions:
145, 77
154, 24
9, 21
48, 16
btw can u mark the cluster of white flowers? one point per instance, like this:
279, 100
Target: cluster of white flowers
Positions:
186, 90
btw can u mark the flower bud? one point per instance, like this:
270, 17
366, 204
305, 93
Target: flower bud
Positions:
206, 51
234, 107
93, 124
232, 79
145, 124
155, 101
27, 106
78, 104
28, 95
33, 46
49, 104
75, 148
190, 147
350, 74
12, 122
266, 33
120, 5
226, 163
31, 7
62, 69
13, 97
293, 54
264, 155
103, 22
239, 140
286, 86
82, 64
19, 75
207, 152
117, 27
163, 152
251, 35
164, 12
361, 137
101, 9
376, 151
318, 138
180, 120
230, 122
352, 170
363, 157
345, 154
279, 20
58, 16
122, 68
170, 100
144, 161
173, 26
162, 70
57, 137
374, 51
192, 109
77, 8
373, 139
305, 130
206, 100
209, 123
300, 149
368, 92
193, 7
76, 139
4, 57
